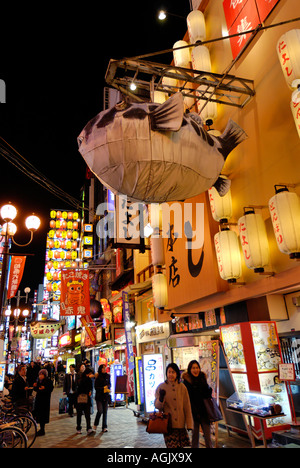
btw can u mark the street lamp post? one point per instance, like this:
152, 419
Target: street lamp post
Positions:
8, 214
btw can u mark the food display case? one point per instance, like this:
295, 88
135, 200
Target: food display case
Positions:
254, 403
253, 354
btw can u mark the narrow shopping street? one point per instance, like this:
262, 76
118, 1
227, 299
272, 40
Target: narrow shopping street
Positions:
124, 431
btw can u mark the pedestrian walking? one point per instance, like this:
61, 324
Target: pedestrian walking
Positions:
84, 392
198, 389
172, 397
70, 389
102, 388
44, 389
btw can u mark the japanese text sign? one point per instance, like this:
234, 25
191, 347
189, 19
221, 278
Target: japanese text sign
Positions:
75, 297
15, 275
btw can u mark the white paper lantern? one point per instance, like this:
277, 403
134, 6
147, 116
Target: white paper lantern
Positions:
228, 255
201, 59
254, 241
157, 250
182, 57
284, 209
160, 290
221, 207
196, 26
210, 112
295, 108
288, 50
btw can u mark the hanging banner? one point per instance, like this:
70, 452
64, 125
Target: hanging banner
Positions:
128, 334
90, 328
75, 293
15, 275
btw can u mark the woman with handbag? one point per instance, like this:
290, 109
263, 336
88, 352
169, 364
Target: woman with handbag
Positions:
198, 388
102, 387
172, 397
84, 392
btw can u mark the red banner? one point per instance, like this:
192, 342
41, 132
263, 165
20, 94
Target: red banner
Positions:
15, 275
75, 293
90, 329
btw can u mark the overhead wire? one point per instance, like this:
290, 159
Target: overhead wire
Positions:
27, 168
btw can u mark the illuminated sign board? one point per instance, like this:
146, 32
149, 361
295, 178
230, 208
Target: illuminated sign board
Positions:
153, 376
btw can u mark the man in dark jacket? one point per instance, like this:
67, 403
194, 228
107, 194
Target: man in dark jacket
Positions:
70, 388
19, 391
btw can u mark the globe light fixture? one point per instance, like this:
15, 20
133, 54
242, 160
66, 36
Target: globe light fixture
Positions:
8, 213
32, 223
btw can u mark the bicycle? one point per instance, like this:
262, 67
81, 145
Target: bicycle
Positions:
21, 418
12, 437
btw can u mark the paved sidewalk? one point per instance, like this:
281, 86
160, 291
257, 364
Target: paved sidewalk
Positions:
124, 431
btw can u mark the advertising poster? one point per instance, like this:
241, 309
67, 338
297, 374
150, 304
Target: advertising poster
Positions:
266, 346
232, 340
153, 376
75, 293
209, 363
271, 385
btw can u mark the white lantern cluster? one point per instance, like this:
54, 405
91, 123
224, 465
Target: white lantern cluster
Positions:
159, 279
199, 56
288, 50
226, 241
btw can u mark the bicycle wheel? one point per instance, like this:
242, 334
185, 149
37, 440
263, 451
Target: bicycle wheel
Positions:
12, 437
28, 426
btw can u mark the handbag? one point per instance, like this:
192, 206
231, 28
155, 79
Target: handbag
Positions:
159, 423
82, 399
212, 408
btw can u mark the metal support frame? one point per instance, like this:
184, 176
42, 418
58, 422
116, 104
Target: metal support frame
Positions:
223, 89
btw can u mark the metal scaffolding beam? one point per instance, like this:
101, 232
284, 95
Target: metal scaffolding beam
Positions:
148, 77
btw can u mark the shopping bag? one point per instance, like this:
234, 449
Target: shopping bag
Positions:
63, 405
159, 423
213, 411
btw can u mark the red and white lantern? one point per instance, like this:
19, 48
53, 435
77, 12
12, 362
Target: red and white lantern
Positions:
288, 50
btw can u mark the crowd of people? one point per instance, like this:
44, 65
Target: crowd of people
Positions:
180, 396
32, 387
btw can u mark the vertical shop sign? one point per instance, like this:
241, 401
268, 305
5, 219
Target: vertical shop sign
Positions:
209, 362
75, 293
90, 328
153, 376
128, 334
15, 275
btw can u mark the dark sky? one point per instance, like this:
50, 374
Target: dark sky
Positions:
53, 61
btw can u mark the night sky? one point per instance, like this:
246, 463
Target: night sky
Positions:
53, 61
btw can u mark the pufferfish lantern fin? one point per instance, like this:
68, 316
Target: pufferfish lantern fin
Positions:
222, 186
169, 115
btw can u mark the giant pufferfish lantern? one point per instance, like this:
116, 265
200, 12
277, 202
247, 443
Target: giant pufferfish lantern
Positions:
155, 153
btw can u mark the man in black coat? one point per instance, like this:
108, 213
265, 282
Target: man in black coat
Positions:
19, 391
70, 388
